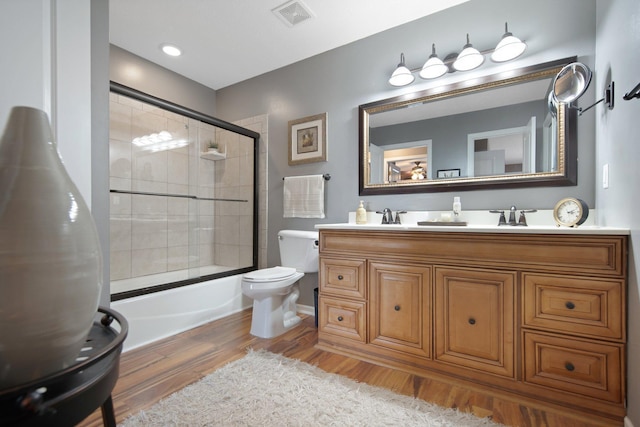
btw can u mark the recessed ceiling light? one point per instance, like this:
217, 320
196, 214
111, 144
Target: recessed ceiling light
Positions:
171, 50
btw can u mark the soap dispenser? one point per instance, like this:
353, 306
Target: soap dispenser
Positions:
457, 208
361, 214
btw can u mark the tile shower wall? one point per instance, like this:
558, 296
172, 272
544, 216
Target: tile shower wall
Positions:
260, 124
153, 234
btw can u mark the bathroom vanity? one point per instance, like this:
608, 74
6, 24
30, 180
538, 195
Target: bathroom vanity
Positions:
537, 312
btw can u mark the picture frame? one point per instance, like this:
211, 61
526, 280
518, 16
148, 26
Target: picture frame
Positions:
448, 173
308, 139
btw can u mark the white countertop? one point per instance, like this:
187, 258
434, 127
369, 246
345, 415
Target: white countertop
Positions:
540, 222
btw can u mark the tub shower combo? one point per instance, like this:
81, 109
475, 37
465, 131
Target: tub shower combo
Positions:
183, 196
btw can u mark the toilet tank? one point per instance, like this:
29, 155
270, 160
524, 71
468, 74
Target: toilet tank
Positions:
299, 249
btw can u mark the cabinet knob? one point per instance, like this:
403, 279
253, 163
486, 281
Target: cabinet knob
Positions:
569, 366
472, 321
396, 308
340, 319
340, 277
569, 305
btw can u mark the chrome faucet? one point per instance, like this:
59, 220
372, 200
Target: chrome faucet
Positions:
502, 220
522, 220
387, 216
397, 220
512, 215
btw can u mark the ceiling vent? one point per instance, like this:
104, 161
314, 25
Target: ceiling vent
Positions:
293, 12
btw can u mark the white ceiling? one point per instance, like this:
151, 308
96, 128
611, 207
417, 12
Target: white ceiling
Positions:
228, 41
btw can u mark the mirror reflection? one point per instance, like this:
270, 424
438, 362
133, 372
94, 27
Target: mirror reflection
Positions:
571, 82
498, 131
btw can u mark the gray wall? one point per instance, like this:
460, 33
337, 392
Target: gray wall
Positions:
338, 81
138, 73
618, 60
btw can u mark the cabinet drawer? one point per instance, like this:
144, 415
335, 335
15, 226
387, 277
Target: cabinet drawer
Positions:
575, 305
342, 277
584, 367
342, 318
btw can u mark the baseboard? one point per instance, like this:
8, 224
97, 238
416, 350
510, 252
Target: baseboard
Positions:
627, 422
308, 310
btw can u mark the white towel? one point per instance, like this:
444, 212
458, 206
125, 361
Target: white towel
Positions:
304, 196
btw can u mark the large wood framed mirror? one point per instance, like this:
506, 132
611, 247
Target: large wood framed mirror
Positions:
497, 131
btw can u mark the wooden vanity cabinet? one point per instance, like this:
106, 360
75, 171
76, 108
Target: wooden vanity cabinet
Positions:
542, 316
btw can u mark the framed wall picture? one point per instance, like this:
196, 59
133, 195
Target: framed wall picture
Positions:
308, 139
448, 173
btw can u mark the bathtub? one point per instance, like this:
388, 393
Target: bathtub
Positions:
160, 315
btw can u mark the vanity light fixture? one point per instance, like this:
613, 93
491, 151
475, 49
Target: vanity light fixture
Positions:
402, 75
171, 50
508, 48
434, 67
469, 59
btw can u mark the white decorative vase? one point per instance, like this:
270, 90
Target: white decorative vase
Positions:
50, 259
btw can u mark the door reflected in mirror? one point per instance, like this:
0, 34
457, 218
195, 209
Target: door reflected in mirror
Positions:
504, 151
401, 162
499, 131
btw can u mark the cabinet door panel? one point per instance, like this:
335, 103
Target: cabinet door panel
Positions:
474, 314
400, 297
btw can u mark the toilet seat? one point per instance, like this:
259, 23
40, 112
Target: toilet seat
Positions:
269, 274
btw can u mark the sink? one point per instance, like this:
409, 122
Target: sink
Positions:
437, 222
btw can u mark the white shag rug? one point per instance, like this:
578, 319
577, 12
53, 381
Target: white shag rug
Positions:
266, 389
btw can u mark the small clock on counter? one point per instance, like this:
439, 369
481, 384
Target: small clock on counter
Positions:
570, 212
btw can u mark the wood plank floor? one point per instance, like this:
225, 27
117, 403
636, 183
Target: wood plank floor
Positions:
150, 373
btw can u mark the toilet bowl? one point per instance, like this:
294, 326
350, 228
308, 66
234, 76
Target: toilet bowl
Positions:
275, 290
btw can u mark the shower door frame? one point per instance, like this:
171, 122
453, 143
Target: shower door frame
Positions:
120, 89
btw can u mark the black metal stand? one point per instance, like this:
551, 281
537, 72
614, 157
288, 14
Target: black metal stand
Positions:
67, 397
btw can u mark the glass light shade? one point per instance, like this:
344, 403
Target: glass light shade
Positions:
402, 75
469, 58
510, 47
434, 67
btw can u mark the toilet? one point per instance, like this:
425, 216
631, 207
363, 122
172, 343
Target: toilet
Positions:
275, 290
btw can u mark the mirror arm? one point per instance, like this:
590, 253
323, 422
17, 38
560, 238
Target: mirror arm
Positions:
608, 99
633, 93
582, 110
